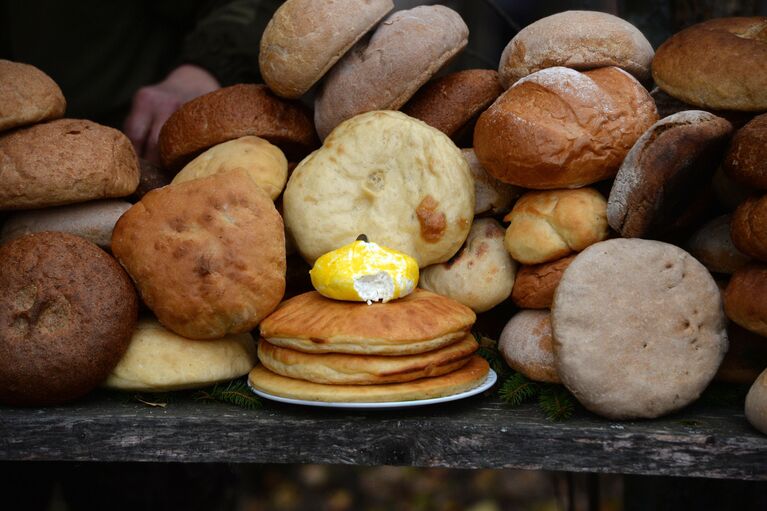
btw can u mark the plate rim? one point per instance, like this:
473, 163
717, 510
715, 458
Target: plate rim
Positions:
487, 383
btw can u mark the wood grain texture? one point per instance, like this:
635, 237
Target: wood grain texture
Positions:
481, 432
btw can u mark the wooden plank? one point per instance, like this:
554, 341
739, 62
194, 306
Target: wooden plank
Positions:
480, 432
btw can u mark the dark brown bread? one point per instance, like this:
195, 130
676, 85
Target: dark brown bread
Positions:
234, 112
152, 176
27, 96
744, 301
748, 227
746, 160
746, 358
67, 312
535, 284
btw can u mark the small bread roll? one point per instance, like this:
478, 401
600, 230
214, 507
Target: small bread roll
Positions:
713, 246
749, 227
559, 128
550, 225
526, 344
535, 284
262, 161
27, 96
756, 403
579, 40
492, 196
746, 160
744, 298
481, 275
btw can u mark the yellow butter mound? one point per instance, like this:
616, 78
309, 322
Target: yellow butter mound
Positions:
363, 271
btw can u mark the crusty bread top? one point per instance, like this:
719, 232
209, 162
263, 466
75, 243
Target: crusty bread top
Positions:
27, 96
419, 316
746, 159
305, 38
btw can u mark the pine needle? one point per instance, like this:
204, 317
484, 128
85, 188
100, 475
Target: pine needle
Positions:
488, 349
517, 389
556, 402
236, 392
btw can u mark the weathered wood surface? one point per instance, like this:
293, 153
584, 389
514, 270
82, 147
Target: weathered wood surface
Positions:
480, 432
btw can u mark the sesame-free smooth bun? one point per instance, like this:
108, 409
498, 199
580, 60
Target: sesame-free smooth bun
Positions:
383, 72
67, 311
234, 112
207, 255
560, 128
746, 159
305, 38
262, 161
717, 64
577, 39
748, 227
393, 178
159, 360
535, 284
63, 162
744, 298
27, 96
526, 345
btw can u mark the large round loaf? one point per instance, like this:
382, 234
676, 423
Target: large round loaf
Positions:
579, 40
746, 160
717, 64
559, 128
27, 96
384, 71
234, 112
65, 161
305, 38
748, 227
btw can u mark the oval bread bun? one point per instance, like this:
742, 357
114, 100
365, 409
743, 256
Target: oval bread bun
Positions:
526, 344
579, 40
748, 227
744, 298
746, 160
27, 96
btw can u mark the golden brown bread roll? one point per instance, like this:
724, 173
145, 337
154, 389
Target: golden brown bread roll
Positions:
27, 96
746, 159
535, 284
748, 227
559, 128
744, 300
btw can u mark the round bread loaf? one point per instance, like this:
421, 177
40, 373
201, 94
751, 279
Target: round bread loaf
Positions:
481, 275
384, 71
491, 196
745, 359
559, 128
305, 38
578, 40
746, 160
420, 322
67, 311
27, 96
666, 170
748, 227
158, 360
93, 221
638, 328
744, 298
396, 179
756, 403
449, 103
716, 64
234, 112
535, 284
263, 162
342, 368
65, 161
713, 246
526, 344
207, 255
546, 226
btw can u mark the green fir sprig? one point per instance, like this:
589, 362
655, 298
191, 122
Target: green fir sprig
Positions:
518, 389
236, 392
555, 401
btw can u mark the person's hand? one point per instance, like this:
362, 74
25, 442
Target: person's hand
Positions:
153, 104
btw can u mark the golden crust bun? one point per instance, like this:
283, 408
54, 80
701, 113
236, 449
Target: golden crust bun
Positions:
27, 96
422, 321
208, 255
469, 376
399, 181
158, 360
527, 345
262, 161
341, 368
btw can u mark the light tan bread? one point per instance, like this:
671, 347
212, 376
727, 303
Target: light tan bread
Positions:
63, 162
535, 284
744, 300
305, 38
548, 225
262, 161
638, 328
471, 375
384, 71
756, 403
748, 227
491, 196
717, 64
394, 178
576, 39
712, 245
420, 322
158, 360
560, 128
481, 275
27, 96
341, 368
208, 255
526, 344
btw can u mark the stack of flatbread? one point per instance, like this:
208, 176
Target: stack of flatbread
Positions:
317, 349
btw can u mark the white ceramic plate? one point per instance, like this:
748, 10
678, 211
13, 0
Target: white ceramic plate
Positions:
489, 382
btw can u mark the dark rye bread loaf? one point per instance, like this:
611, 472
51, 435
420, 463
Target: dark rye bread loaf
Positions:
67, 312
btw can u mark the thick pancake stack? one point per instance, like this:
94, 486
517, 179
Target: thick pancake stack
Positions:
318, 349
